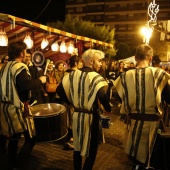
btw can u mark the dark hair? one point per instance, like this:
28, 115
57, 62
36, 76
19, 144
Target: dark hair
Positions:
29, 51
143, 52
110, 64
58, 63
72, 60
121, 63
3, 58
15, 49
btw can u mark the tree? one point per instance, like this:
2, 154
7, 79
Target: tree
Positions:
125, 50
78, 26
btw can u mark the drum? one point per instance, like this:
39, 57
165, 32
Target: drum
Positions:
50, 121
105, 121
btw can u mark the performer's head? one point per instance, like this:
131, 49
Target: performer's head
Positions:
144, 52
17, 50
93, 58
75, 62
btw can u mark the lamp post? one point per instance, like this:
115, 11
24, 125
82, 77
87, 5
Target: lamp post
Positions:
153, 9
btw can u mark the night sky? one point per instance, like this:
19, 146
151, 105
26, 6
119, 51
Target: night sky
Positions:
31, 9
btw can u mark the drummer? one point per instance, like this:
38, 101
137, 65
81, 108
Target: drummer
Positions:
83, 88
74, 63
16, 85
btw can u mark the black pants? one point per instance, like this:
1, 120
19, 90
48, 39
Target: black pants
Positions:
89, 161
51, 97
13, 147
3, 144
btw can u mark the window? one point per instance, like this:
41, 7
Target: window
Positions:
79, 9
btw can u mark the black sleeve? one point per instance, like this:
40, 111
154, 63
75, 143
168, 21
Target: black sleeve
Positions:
107, 74
24, 83
103, 98
166, 93
61, 92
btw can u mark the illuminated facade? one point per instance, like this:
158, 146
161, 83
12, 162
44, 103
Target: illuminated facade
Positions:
126, 16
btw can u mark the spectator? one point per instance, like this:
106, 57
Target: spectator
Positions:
4, 60
38, 94
121, 69
51, 78
111, 75
59, 71
132, 65
3, 139
102, 70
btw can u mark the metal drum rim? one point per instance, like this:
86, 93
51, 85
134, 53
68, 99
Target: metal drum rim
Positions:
61, 110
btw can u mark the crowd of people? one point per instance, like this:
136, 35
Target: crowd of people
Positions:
82, 84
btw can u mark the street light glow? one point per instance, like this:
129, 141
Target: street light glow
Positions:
146, 32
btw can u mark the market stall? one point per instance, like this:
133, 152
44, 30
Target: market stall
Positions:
17, 28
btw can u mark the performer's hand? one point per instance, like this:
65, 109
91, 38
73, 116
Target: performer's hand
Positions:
107, 113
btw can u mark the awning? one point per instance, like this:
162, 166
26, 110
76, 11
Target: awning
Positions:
16, 29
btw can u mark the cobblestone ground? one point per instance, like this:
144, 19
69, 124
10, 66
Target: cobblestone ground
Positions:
51, 156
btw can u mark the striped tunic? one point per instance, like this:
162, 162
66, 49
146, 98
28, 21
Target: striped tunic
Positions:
81, 89
11, 108
140, 91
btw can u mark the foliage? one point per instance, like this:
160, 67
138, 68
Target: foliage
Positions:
125, 50
160, 49
76, 25
109, 52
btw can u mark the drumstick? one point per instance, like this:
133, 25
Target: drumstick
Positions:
35, 101
47, 62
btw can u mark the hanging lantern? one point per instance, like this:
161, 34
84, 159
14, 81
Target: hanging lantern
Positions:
28, 41
3, 38
70, 48
55, 46
44, 43
63, 47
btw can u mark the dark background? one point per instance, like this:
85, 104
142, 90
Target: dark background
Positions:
31, 9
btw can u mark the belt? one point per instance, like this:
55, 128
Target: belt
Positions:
82, 110
6, 102
144, 117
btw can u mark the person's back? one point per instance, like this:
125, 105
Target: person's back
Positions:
74, 63
141, 91
145, 82
83, 89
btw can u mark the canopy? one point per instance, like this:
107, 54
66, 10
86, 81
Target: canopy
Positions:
16, 29
128, 60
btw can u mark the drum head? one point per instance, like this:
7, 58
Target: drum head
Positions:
47, 109
38, 58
